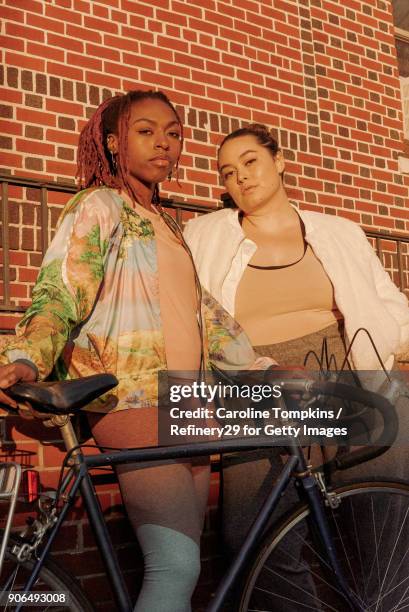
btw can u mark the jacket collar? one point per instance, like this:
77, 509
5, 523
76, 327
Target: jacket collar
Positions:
306, 217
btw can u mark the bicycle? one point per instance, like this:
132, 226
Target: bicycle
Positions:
345, 573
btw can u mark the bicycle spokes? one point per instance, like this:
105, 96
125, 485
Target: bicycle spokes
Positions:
370, 531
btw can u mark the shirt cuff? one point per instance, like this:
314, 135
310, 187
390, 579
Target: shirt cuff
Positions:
30, 364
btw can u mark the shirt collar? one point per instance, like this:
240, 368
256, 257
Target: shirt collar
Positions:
233, 217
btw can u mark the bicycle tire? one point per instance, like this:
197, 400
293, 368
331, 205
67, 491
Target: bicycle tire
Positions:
375, 560
52, 579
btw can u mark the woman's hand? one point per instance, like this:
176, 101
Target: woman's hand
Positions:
263, 363
12, 373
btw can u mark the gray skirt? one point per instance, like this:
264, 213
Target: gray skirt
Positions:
325, 348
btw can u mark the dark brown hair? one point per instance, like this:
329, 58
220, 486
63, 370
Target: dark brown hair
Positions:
262, 134
95, 163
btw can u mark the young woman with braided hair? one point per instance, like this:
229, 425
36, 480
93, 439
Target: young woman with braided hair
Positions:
118, 293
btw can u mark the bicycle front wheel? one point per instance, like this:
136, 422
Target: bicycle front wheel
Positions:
54, 590
370, 527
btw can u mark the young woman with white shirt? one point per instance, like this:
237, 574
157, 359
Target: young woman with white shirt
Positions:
291, 278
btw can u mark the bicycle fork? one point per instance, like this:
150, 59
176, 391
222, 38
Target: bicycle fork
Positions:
314, 498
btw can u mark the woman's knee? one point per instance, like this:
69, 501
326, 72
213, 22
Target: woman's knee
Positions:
169, 555
183, 565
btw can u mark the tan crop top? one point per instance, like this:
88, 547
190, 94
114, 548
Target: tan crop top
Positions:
177, 297
277, 304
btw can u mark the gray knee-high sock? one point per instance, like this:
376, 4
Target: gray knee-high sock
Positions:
172, 567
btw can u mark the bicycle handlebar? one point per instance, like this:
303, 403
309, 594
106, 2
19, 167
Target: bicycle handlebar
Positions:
347, 392
362, 396
388, 434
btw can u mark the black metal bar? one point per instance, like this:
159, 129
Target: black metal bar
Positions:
12, 308
21, 181
5, 242
386, 236
109, 477
44, 553
83, 482
195, 449
44, 219
252, 537
316, 505
400, 263
71, 188
378, 246
186, 206
104, 543
393, 238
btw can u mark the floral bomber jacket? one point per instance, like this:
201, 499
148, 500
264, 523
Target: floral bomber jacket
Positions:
96, 306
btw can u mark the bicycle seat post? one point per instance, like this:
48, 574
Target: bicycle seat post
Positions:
63, 422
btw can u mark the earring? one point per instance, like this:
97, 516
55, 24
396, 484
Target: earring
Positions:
113, 162
170, 176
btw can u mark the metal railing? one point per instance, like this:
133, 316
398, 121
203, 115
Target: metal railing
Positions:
44, 188
399, 241
392, 246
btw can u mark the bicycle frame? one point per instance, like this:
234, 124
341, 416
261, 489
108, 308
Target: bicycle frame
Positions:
80, 480
10, 477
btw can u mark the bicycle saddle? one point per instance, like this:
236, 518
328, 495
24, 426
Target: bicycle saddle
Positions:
65, 396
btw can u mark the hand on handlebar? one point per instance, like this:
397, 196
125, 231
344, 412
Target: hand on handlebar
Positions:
11, 374
263, 363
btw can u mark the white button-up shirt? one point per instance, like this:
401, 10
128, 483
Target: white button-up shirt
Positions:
363, 290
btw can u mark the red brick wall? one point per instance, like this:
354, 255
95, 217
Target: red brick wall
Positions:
322, 73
